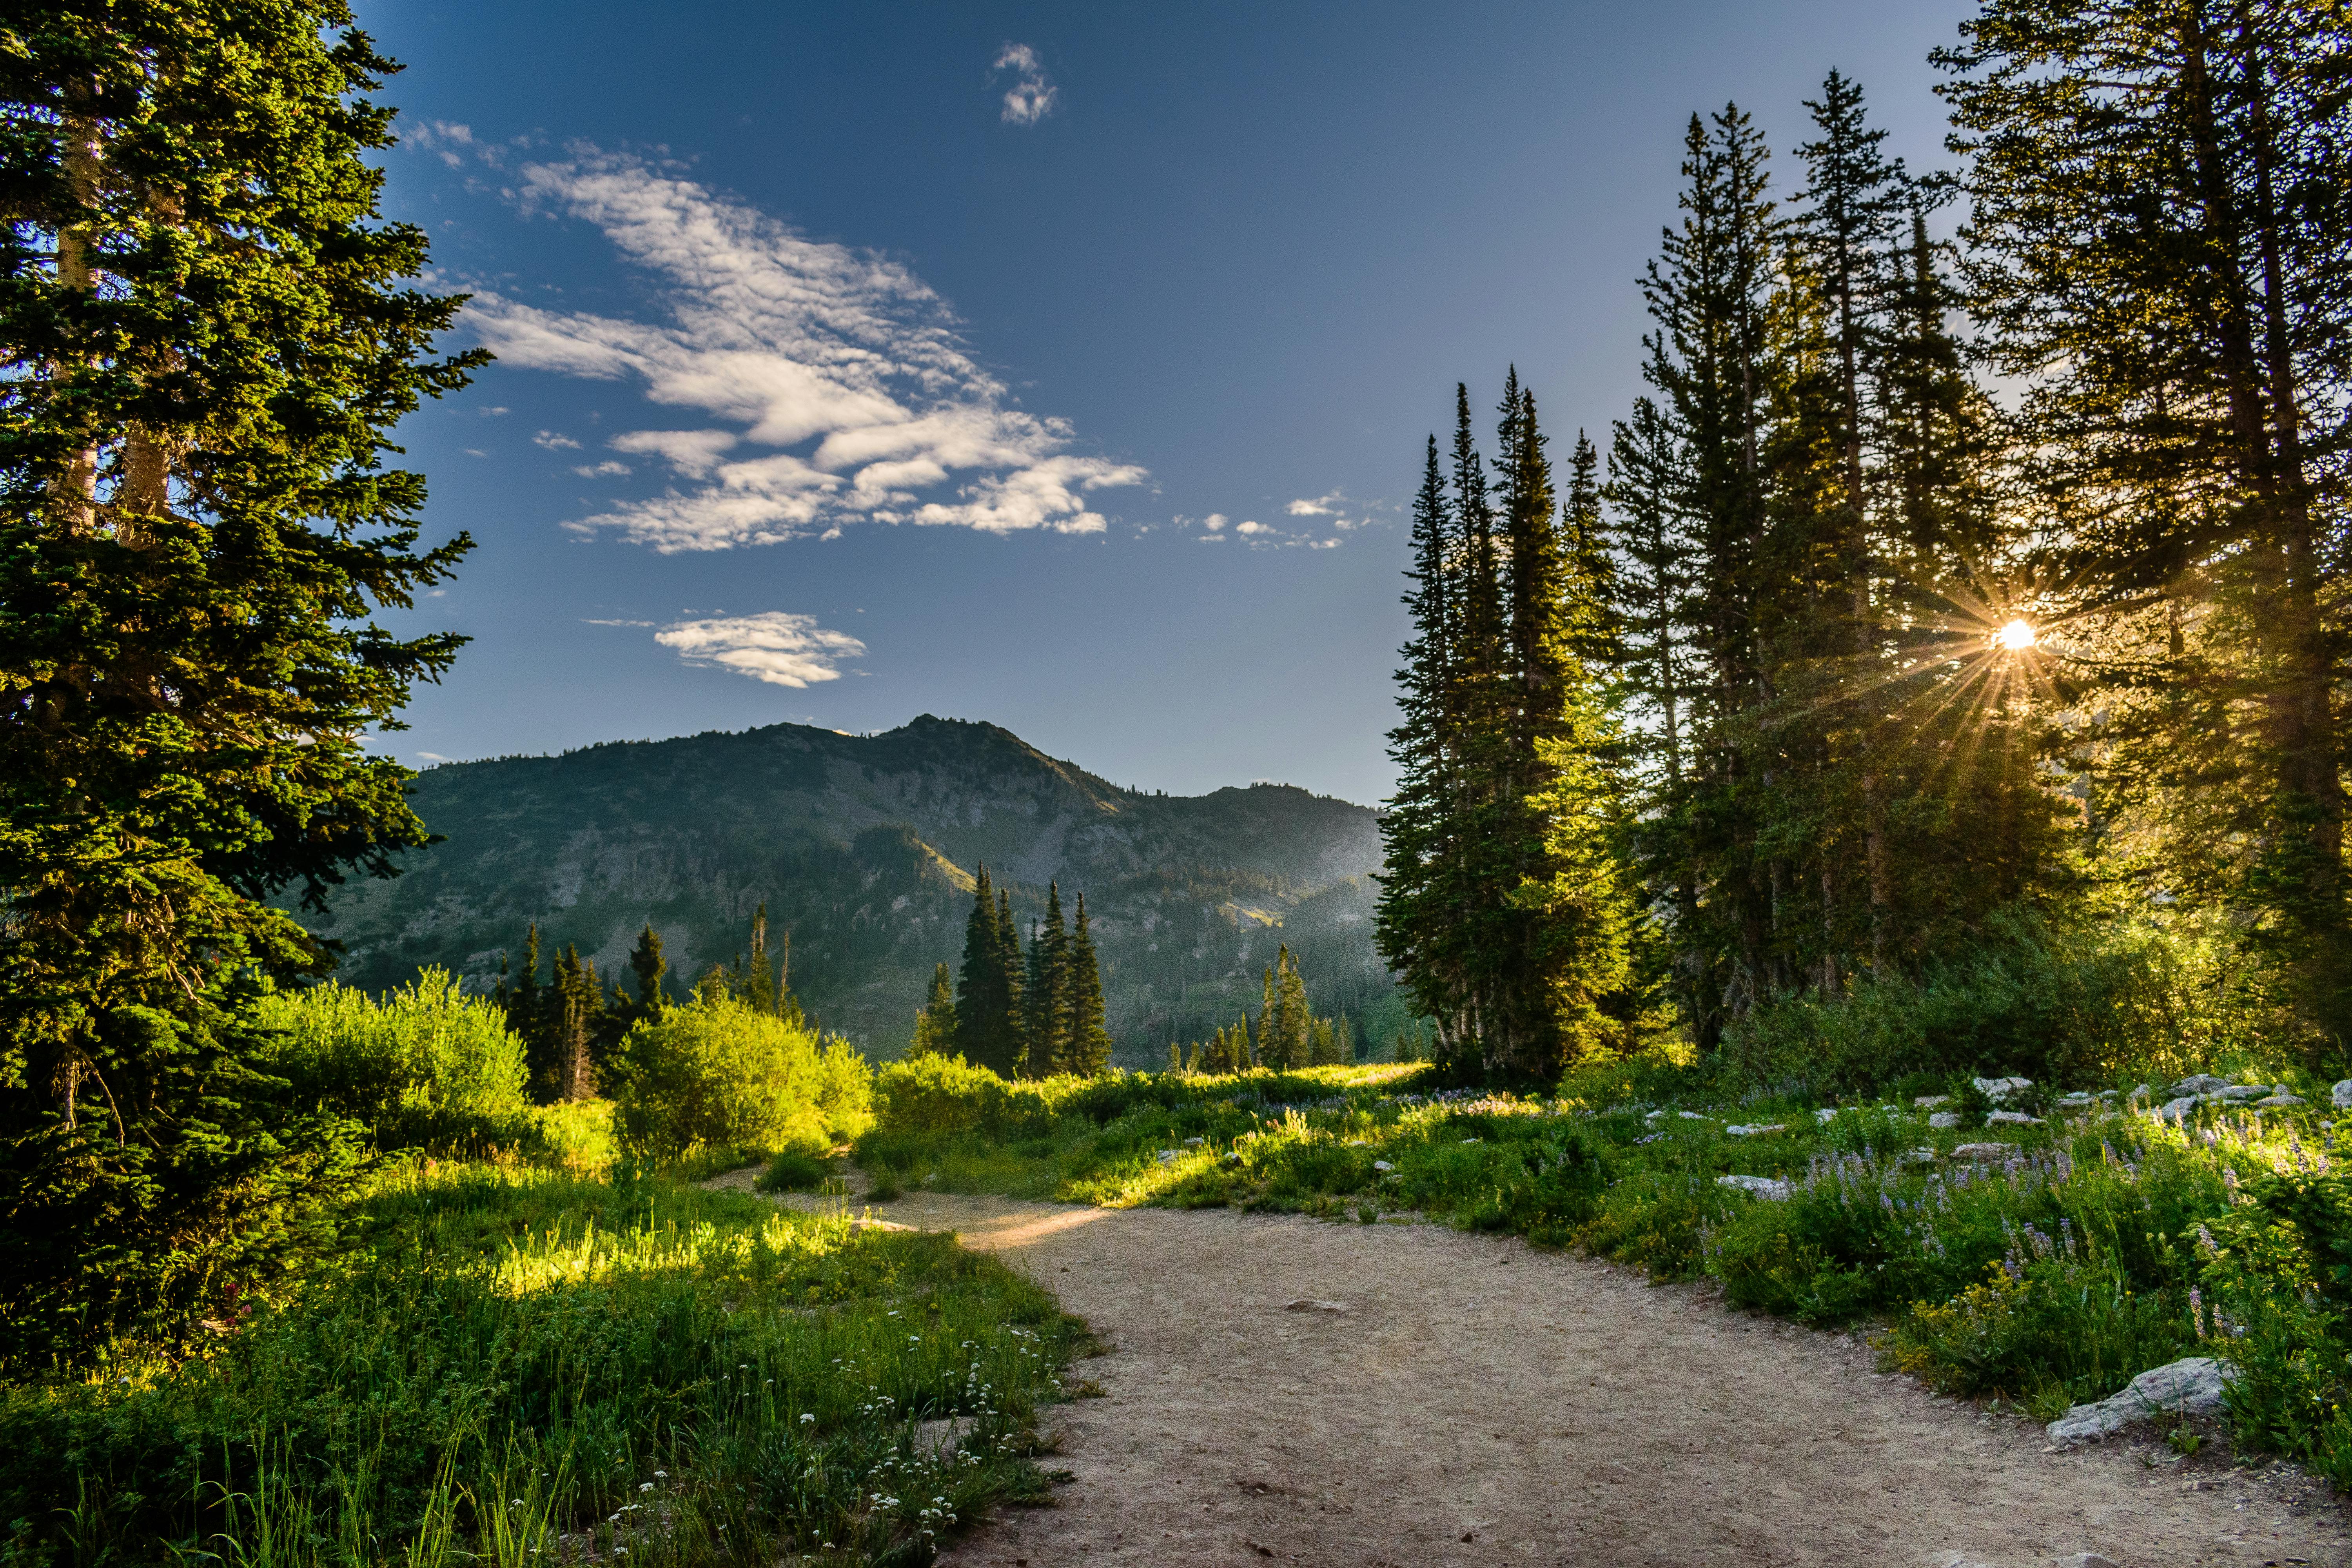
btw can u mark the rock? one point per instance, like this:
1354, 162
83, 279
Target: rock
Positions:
2012, 1119
1693, 1116
1944, 1121
2190, 1386
2341, 1095
2178, 1110
2237, 1093
2141, 1092
2201, 1083
2000, 1088
1823, 1113
1167, 1156
1916, 1157
1382, 1165
1757, 1129
1194, 1142
941, 1437
1764, 1187
1984, 1154
2078, 1100
1352, 1142
1308, 1304
1929, 1102
2281, 1098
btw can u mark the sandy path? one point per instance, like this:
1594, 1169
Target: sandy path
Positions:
1480, 1403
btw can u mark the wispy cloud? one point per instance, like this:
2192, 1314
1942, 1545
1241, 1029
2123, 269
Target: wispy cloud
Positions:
603, 470
778, 648
1322, 506
451, 140
1031, 97
553, 442
842, 364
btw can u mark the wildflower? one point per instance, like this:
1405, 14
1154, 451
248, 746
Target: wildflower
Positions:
644, 1486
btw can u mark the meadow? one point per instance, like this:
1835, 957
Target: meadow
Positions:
2040, 1261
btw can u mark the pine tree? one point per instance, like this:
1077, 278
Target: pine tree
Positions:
758, 986
1045, 994
574, 1014
987, 1029
211, 334
935, 1023
647, 964
1086, 1044
2157, 277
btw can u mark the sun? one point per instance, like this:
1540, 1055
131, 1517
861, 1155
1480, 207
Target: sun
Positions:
2016, 637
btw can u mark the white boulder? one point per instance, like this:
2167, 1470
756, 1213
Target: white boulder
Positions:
1761, 1186
2012, 1119
1756, 1130
2281, 1098
2190, 1386
1944, 1121
2201, 1083
2178, 1110
2000, 1088
1929, 1102
2342, 1095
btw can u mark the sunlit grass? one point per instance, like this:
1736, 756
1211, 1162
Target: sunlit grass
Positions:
520, 1365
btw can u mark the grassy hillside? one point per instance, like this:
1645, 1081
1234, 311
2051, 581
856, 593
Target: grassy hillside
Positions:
863, 848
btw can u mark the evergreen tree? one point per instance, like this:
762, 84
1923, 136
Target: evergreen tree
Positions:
935, 1024
988, 1020
1045, 994
2159, 253
574, 1016
647, 964
1085, 1046
1284, 1023
210, 335
758, 985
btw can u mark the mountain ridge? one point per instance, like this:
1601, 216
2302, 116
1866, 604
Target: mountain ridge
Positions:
864, 847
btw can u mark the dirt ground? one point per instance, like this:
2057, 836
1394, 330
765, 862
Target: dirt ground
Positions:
1475, 1402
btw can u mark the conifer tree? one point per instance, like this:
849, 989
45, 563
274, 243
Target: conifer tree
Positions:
2159, 253
210, 333
758, 985
988, 1026
1046, 996
645, 962
1086, 1044
935, 1023
574, 1014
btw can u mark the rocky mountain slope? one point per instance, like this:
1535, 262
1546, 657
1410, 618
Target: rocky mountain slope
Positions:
863, 847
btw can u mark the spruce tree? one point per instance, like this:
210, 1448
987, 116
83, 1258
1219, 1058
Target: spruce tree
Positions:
211, 334
1045, 996
1086, 1044
575, 1015
2159, 251
759, 982
985, 1031
935, 1023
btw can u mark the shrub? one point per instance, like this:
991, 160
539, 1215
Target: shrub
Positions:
792, 1171
719, 1071
424, 1067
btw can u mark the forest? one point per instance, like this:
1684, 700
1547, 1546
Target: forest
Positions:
1943, 666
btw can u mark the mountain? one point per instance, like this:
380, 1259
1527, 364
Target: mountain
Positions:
863, 847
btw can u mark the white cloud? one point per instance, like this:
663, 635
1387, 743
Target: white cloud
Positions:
844, 365
432, 757
553, 442
1214, 522
1031, 97
1322, 506
597, 623
450, 140
1247, 529
776, 648
606, 469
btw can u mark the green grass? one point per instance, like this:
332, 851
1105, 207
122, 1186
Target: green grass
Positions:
530, 1367
2051, 1278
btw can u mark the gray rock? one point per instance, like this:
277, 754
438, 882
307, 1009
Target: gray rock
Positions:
1929, 1102
2190, 1386
2281, 1098
1823, 1113
2012, 1119
1944, 1121
2201, 1083
2076, 1102
2237, 1093
1757, 1129
2341, 1095
1984, 1154
1764, 1187
2000, 1088
2178, 1110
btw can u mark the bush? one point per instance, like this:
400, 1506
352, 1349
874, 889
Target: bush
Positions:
717, 1071
792, 1171
424, 1068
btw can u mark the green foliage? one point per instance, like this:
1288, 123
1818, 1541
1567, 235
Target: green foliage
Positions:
719, 1071
793, 1170
511, 1357
424, 1068
935, 1026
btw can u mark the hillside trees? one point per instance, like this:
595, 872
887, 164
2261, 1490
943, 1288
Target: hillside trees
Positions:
935, 1024
209, 334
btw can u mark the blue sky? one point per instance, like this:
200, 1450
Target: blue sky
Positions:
1064, 366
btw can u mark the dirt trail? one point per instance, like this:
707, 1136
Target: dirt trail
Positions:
1479, 1403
